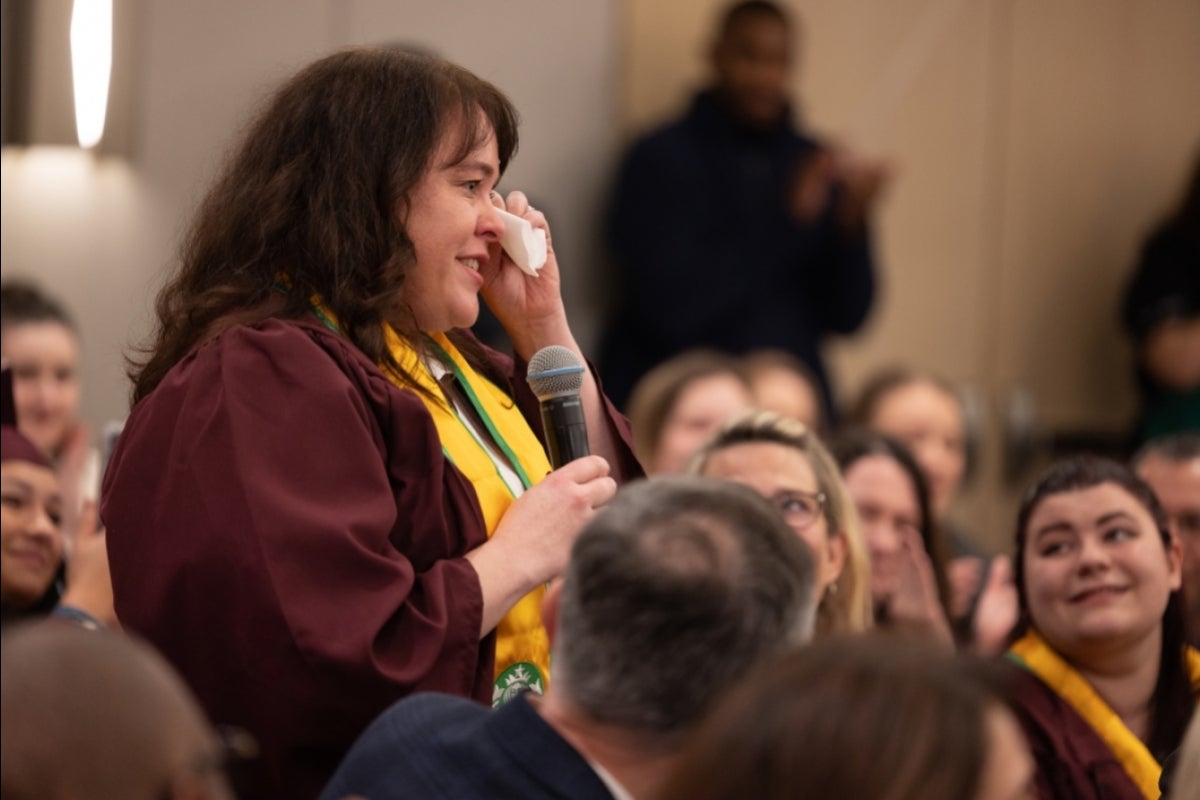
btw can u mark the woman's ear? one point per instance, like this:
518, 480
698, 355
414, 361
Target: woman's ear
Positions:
400, 209
837, 553
1175, 564
550, 602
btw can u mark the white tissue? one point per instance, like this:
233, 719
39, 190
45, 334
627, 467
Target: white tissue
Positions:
525, 244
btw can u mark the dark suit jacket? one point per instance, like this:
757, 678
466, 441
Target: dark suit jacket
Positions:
433, 746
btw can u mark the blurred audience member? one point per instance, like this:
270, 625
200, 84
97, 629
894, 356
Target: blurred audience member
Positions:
731, 228
39, 339
1106, 684
888, 489
1161, 313
36, 577
100, 715
782, 383
908, 575
787, 464
682, 402
924, 414
1171, 466
858, 717
672, 593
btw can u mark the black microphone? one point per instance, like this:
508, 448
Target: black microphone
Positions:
555, 375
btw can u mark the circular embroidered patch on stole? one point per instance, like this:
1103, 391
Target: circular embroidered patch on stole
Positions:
520, 676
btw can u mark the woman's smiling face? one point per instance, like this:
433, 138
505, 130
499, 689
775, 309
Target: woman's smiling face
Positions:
455, 232
30, 534
1097, 572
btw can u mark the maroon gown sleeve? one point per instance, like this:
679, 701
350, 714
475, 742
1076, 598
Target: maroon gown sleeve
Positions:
283, 526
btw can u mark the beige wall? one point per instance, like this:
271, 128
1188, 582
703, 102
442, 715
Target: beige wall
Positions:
1034, 143
100, 231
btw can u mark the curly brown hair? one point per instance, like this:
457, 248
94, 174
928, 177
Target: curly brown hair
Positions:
315, 192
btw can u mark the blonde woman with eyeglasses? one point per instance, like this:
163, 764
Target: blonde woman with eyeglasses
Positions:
785, 462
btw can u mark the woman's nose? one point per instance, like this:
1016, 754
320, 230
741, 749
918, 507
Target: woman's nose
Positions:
1092, 554
882, 540
490, 224
42, 525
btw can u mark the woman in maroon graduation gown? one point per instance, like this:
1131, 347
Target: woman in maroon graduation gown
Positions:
303, 515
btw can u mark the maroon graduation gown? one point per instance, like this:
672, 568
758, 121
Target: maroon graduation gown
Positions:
1072, 760
283, 526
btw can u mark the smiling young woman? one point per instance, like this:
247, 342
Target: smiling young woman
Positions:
31, 539
38, 528
1106, 685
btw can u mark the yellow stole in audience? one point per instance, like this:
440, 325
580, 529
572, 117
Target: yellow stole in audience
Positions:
1040, 659
522, 646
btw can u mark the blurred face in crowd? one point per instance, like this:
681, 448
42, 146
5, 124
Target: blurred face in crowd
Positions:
783, 475
455, 231
1177, 486
787, 394
1096, 571
1008, 769
45, 365
752, 62
30, 533
889, 513
930, 423
702, 407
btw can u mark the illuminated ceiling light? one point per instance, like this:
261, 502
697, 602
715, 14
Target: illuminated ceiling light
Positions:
91, 65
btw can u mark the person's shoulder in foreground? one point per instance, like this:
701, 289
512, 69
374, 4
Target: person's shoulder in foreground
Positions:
437, 745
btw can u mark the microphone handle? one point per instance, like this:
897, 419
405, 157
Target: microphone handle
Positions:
565, 429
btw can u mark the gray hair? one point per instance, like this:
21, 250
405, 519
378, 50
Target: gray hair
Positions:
1173, 448
673, 591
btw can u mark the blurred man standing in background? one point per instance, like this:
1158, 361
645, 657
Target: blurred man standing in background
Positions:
732, 229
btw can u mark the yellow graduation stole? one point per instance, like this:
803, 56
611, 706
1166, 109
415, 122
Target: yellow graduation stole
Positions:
522, 645
1040, 659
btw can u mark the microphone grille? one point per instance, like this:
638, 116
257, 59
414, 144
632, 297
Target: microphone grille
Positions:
553, 371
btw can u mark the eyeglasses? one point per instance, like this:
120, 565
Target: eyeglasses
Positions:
800, 509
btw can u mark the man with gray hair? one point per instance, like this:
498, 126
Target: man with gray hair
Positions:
1171, 467
672, 592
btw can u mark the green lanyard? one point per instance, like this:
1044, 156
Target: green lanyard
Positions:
469, 391
282, 288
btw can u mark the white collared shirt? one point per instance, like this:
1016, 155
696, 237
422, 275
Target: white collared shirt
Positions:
615, 788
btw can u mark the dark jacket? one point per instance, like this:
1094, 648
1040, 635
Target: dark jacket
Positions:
435, 747
707, 252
